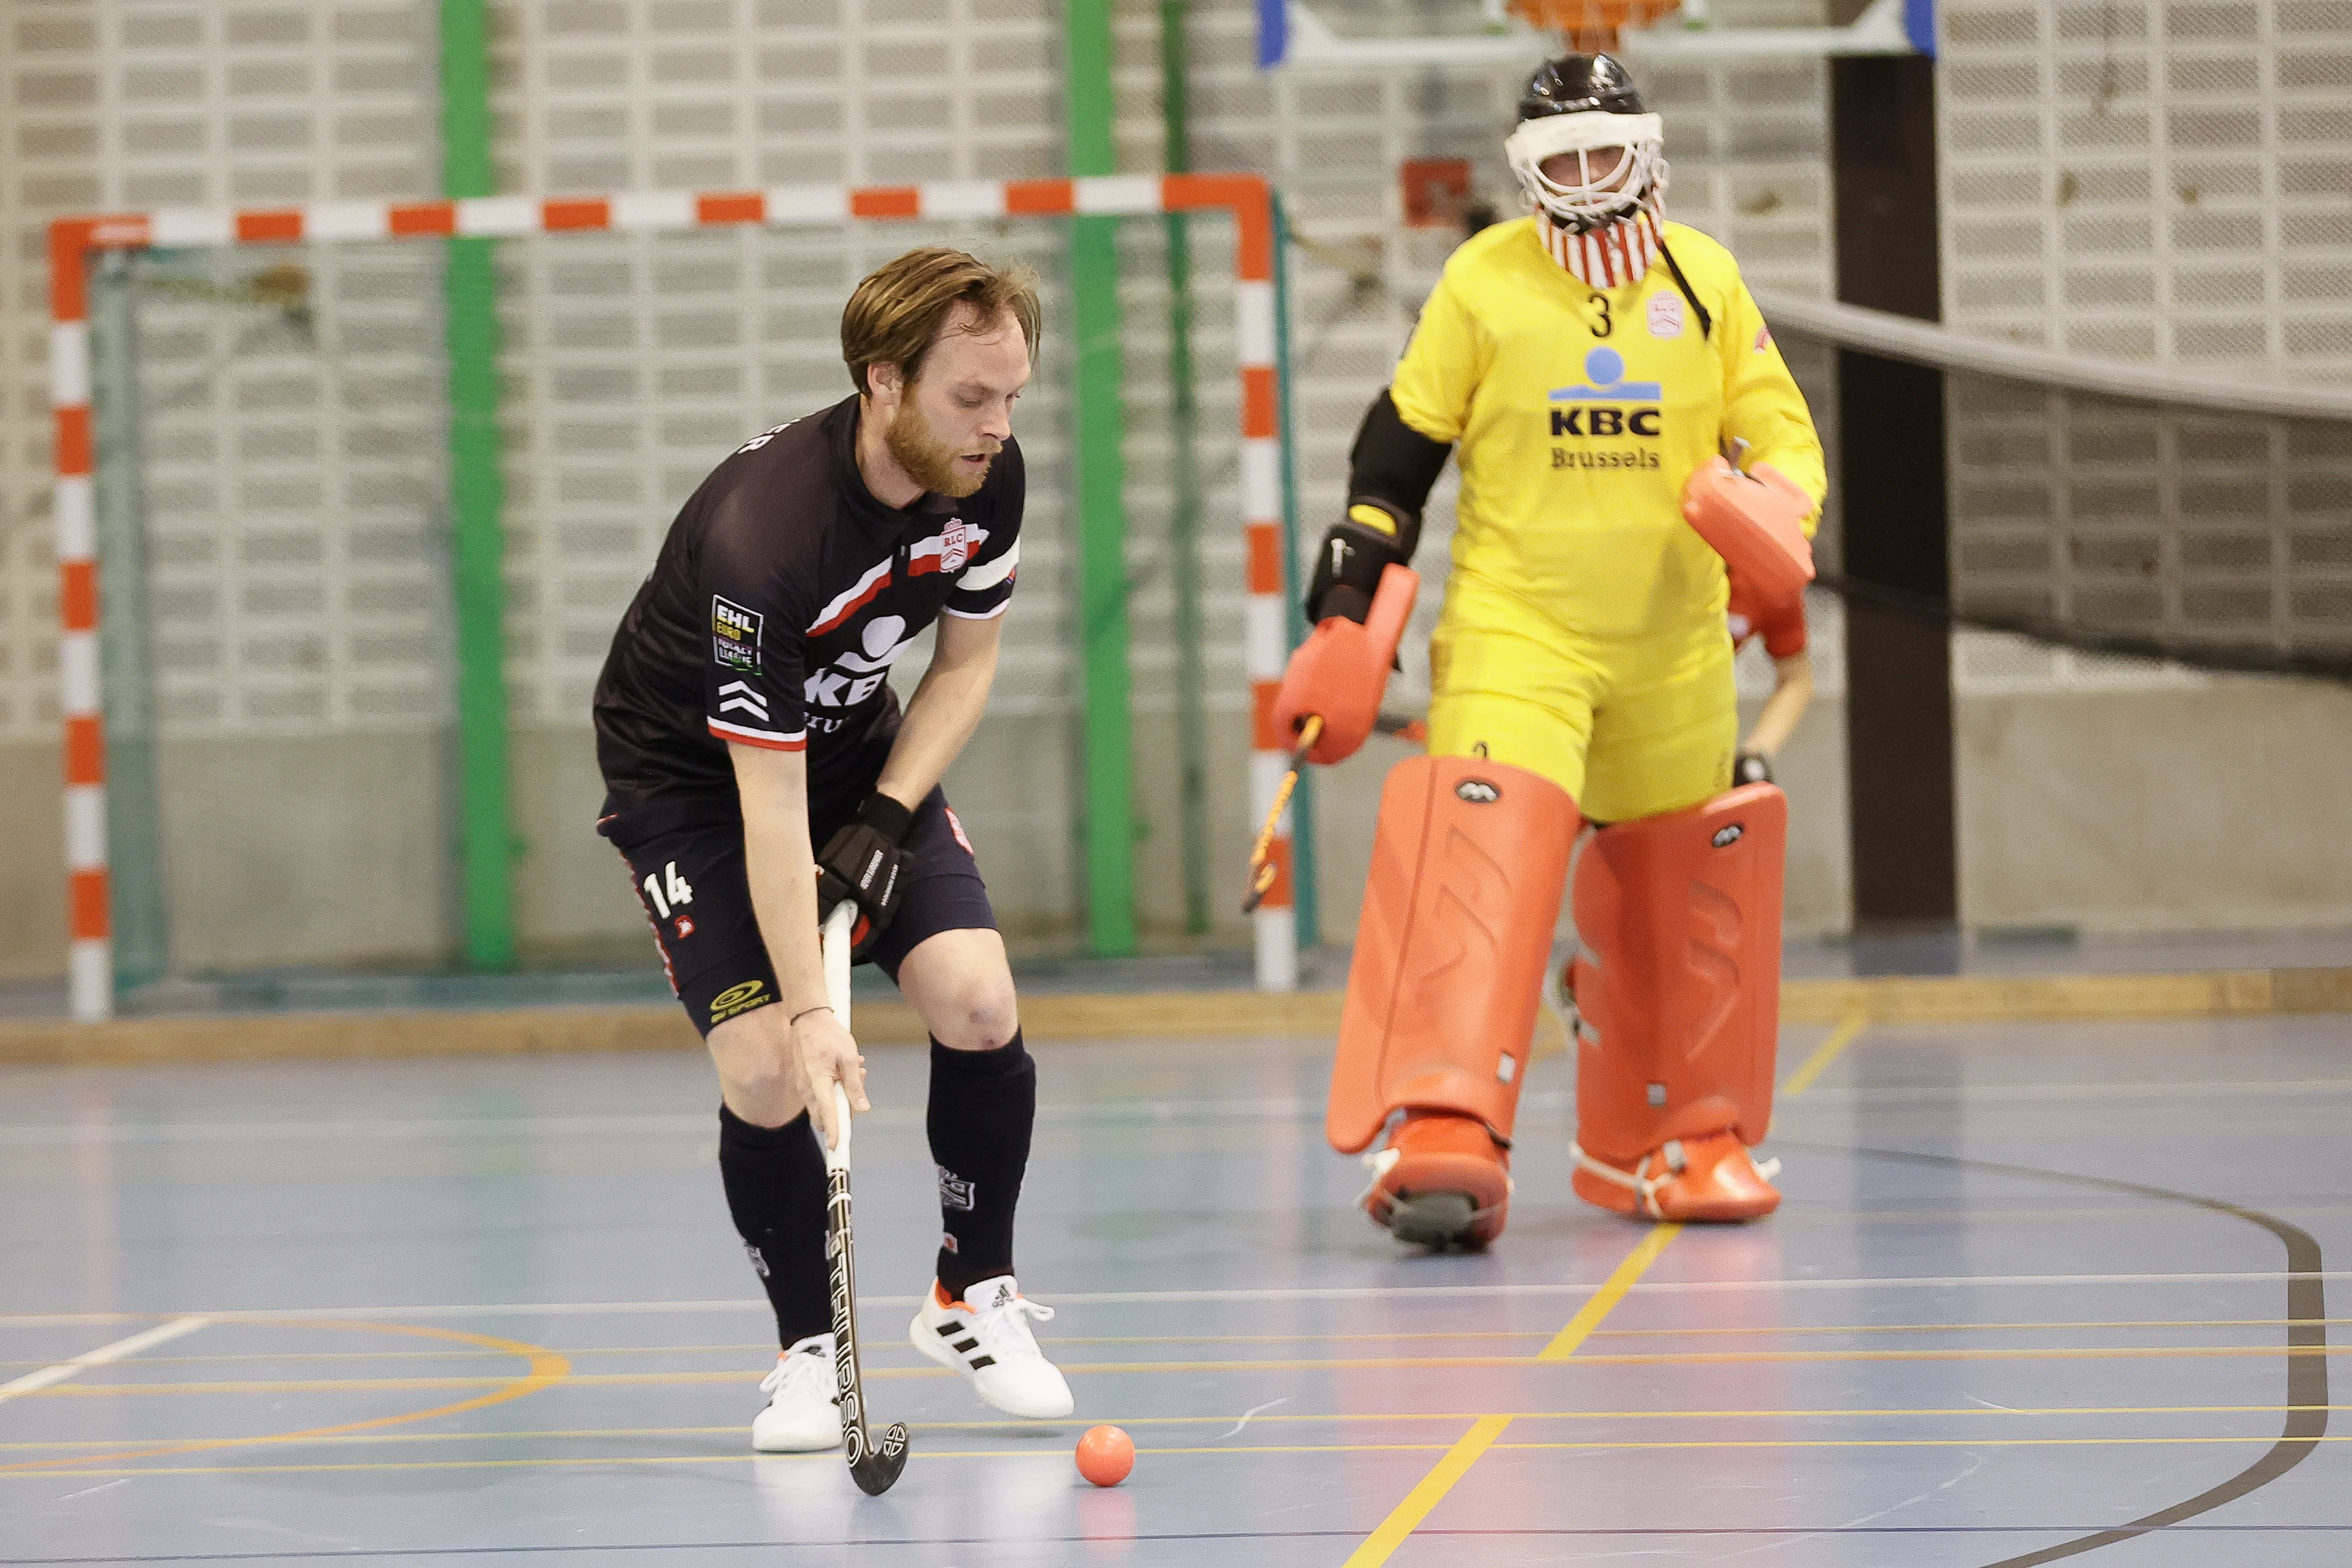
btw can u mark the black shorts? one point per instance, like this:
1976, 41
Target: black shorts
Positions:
692, 884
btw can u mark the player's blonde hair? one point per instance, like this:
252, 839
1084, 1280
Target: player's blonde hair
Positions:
899, 310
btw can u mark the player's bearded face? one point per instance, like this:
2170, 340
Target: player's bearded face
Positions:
955, 416
945, 466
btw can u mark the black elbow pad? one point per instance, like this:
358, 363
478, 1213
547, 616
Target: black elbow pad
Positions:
1393, 466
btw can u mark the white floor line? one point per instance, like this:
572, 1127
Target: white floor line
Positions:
698, 1124
753, 1305
48, 1376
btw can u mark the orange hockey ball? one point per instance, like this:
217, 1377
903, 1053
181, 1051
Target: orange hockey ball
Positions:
1106, 1455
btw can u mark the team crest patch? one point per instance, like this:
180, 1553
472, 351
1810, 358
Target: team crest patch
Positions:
734, 635
955, 545
1665, 315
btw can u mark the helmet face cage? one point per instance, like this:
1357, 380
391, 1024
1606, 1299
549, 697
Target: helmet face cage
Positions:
1604, 192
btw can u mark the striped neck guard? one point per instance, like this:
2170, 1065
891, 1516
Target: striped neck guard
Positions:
1606, 256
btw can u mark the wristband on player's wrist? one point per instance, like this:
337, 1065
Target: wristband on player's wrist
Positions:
1349, 564
886, 816
820, 1008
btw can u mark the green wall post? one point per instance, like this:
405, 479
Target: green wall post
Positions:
1302, 802
1109, 805
134, 833
485, 836
1184, 523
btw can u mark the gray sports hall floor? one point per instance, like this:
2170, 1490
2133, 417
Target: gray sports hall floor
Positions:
2031, 1285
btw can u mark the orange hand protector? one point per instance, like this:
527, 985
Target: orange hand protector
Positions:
1341, 668
1756, 521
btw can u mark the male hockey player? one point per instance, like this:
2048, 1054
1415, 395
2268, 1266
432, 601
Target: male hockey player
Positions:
1589, 366
745, 714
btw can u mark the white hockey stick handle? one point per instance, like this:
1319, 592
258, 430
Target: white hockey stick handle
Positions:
833, 944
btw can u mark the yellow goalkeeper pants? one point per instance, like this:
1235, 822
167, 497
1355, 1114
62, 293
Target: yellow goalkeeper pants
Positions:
1629, 729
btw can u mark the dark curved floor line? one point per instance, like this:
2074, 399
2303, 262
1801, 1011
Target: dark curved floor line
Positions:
2306, 1405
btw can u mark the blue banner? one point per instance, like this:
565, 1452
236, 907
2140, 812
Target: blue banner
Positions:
1273, 32
1919, 25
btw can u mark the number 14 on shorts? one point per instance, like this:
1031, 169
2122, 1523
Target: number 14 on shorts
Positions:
665, 889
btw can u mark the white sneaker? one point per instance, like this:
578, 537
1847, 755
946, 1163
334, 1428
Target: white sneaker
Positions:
987, 1335
800, 1416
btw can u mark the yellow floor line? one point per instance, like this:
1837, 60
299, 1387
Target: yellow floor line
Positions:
1194, 1368
1612, 1291
1431, 1488
1749, 1330
1852, 1023
1453, 1453
547, 1369
1345, 1418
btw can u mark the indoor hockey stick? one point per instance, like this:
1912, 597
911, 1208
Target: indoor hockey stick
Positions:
874, 1467
1262, 871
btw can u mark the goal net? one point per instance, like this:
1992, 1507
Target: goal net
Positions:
271, 427
2113, 521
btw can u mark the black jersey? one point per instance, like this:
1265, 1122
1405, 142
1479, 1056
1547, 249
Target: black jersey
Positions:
771, 617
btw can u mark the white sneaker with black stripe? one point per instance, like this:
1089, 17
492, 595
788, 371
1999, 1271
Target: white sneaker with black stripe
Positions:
986, 1336
800, 1416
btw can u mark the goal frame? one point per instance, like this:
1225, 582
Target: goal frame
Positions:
74, 242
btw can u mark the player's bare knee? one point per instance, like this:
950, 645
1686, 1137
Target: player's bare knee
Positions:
755, 1069
984, 1013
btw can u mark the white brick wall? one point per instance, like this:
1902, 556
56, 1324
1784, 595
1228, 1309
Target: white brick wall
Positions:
635, 362
2168, 183
49, 134
296, 448
292, 483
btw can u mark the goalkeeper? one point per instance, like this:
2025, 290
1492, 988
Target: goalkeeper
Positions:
1587, 365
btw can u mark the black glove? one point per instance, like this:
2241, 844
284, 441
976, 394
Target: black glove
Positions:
861, 862
1347, 567
1750, 768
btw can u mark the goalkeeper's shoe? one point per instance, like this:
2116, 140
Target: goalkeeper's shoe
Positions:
986, 1336
800, 1416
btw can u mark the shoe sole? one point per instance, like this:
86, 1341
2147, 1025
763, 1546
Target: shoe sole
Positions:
925, 1339
1432, 1219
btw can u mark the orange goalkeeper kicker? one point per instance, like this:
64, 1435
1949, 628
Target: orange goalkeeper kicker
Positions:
1263, 870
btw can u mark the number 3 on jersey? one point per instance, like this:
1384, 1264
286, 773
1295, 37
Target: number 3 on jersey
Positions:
667, 888
1602, 324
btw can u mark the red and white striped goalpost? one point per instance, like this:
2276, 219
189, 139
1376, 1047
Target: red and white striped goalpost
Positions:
72, 241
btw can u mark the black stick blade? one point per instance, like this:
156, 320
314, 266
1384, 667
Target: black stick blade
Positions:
878, 1471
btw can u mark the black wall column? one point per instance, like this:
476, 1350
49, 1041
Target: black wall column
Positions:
1891, 479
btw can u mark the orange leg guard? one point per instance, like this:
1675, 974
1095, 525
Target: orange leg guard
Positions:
1468, 865
1678, 995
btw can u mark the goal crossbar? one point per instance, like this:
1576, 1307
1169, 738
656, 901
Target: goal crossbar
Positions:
74, 241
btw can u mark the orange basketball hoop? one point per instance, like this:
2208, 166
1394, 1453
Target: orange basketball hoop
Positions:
1592, 24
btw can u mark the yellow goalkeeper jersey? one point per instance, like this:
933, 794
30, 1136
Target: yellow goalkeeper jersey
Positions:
1580, 412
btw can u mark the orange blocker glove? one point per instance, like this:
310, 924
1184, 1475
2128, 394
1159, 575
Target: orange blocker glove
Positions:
1342, 667
1756, 521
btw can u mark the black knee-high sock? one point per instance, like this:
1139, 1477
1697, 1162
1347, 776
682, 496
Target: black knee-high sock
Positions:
982, 1105
775, 1189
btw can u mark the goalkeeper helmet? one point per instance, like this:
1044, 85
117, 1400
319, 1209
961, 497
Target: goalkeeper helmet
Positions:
1585, 110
